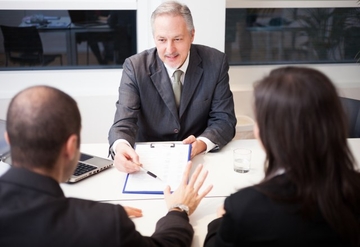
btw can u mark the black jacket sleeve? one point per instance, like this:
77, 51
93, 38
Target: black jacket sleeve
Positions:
211, 234
172, 230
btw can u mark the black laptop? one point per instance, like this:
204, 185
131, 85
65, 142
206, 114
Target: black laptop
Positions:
88, 165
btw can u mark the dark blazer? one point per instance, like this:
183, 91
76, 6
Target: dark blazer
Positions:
146, 109
34, 212
254, 219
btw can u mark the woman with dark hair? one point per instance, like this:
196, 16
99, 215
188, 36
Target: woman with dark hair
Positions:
311, 191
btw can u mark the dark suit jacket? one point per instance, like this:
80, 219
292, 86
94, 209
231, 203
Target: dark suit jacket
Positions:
146, 109
34, 212
254, 219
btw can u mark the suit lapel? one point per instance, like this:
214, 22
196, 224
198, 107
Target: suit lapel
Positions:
162, 83
192, 79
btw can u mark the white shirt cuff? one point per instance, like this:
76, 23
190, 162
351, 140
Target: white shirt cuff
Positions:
113, 147
209, 144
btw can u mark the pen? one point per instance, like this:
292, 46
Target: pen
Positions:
149, 173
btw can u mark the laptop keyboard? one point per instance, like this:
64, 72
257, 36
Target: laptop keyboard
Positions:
83, 168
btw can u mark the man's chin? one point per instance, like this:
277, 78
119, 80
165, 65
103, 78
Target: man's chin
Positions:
172, 63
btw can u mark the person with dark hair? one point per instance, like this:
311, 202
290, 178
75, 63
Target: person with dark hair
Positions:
177, 91
310, 193
43, 130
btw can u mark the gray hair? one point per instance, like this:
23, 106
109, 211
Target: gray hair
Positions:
173, 8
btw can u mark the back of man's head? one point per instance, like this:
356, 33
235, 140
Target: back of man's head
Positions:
40, 119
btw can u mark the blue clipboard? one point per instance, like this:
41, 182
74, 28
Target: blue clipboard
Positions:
165, 159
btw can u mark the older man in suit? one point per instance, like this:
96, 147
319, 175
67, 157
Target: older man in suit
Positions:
149, 110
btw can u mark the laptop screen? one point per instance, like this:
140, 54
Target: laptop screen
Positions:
4, 147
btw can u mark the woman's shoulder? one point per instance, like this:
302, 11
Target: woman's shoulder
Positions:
278, 186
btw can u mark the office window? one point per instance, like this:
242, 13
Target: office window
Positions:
256, 36
66, 39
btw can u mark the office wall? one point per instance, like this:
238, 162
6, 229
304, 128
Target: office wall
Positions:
96, 90
345, 76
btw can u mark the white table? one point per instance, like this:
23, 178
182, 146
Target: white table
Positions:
107, 186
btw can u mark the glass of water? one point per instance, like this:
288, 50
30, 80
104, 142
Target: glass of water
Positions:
242, 160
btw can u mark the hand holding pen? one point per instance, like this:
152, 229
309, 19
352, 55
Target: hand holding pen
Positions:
129, 164
125, 158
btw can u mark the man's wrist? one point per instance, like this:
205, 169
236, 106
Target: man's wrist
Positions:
180, 207
114, 145
209, 144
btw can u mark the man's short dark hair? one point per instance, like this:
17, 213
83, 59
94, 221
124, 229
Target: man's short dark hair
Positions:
40, 119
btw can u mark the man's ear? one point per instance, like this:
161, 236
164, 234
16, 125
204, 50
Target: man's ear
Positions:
72, 146
6, 135
192, 35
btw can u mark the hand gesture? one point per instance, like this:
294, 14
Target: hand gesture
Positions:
133, 212
188, 193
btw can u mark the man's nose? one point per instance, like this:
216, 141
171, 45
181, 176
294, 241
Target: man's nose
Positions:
170, 47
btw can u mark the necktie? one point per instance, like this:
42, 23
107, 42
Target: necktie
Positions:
177, 86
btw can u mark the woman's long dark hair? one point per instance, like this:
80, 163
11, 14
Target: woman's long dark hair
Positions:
303, 128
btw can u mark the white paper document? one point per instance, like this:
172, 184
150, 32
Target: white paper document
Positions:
166, 160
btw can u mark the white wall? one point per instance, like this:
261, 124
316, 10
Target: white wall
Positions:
96, 90
345, 76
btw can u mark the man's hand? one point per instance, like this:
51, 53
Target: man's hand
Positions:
197, 146
188, 193
133, 212
220, 211
126, 159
